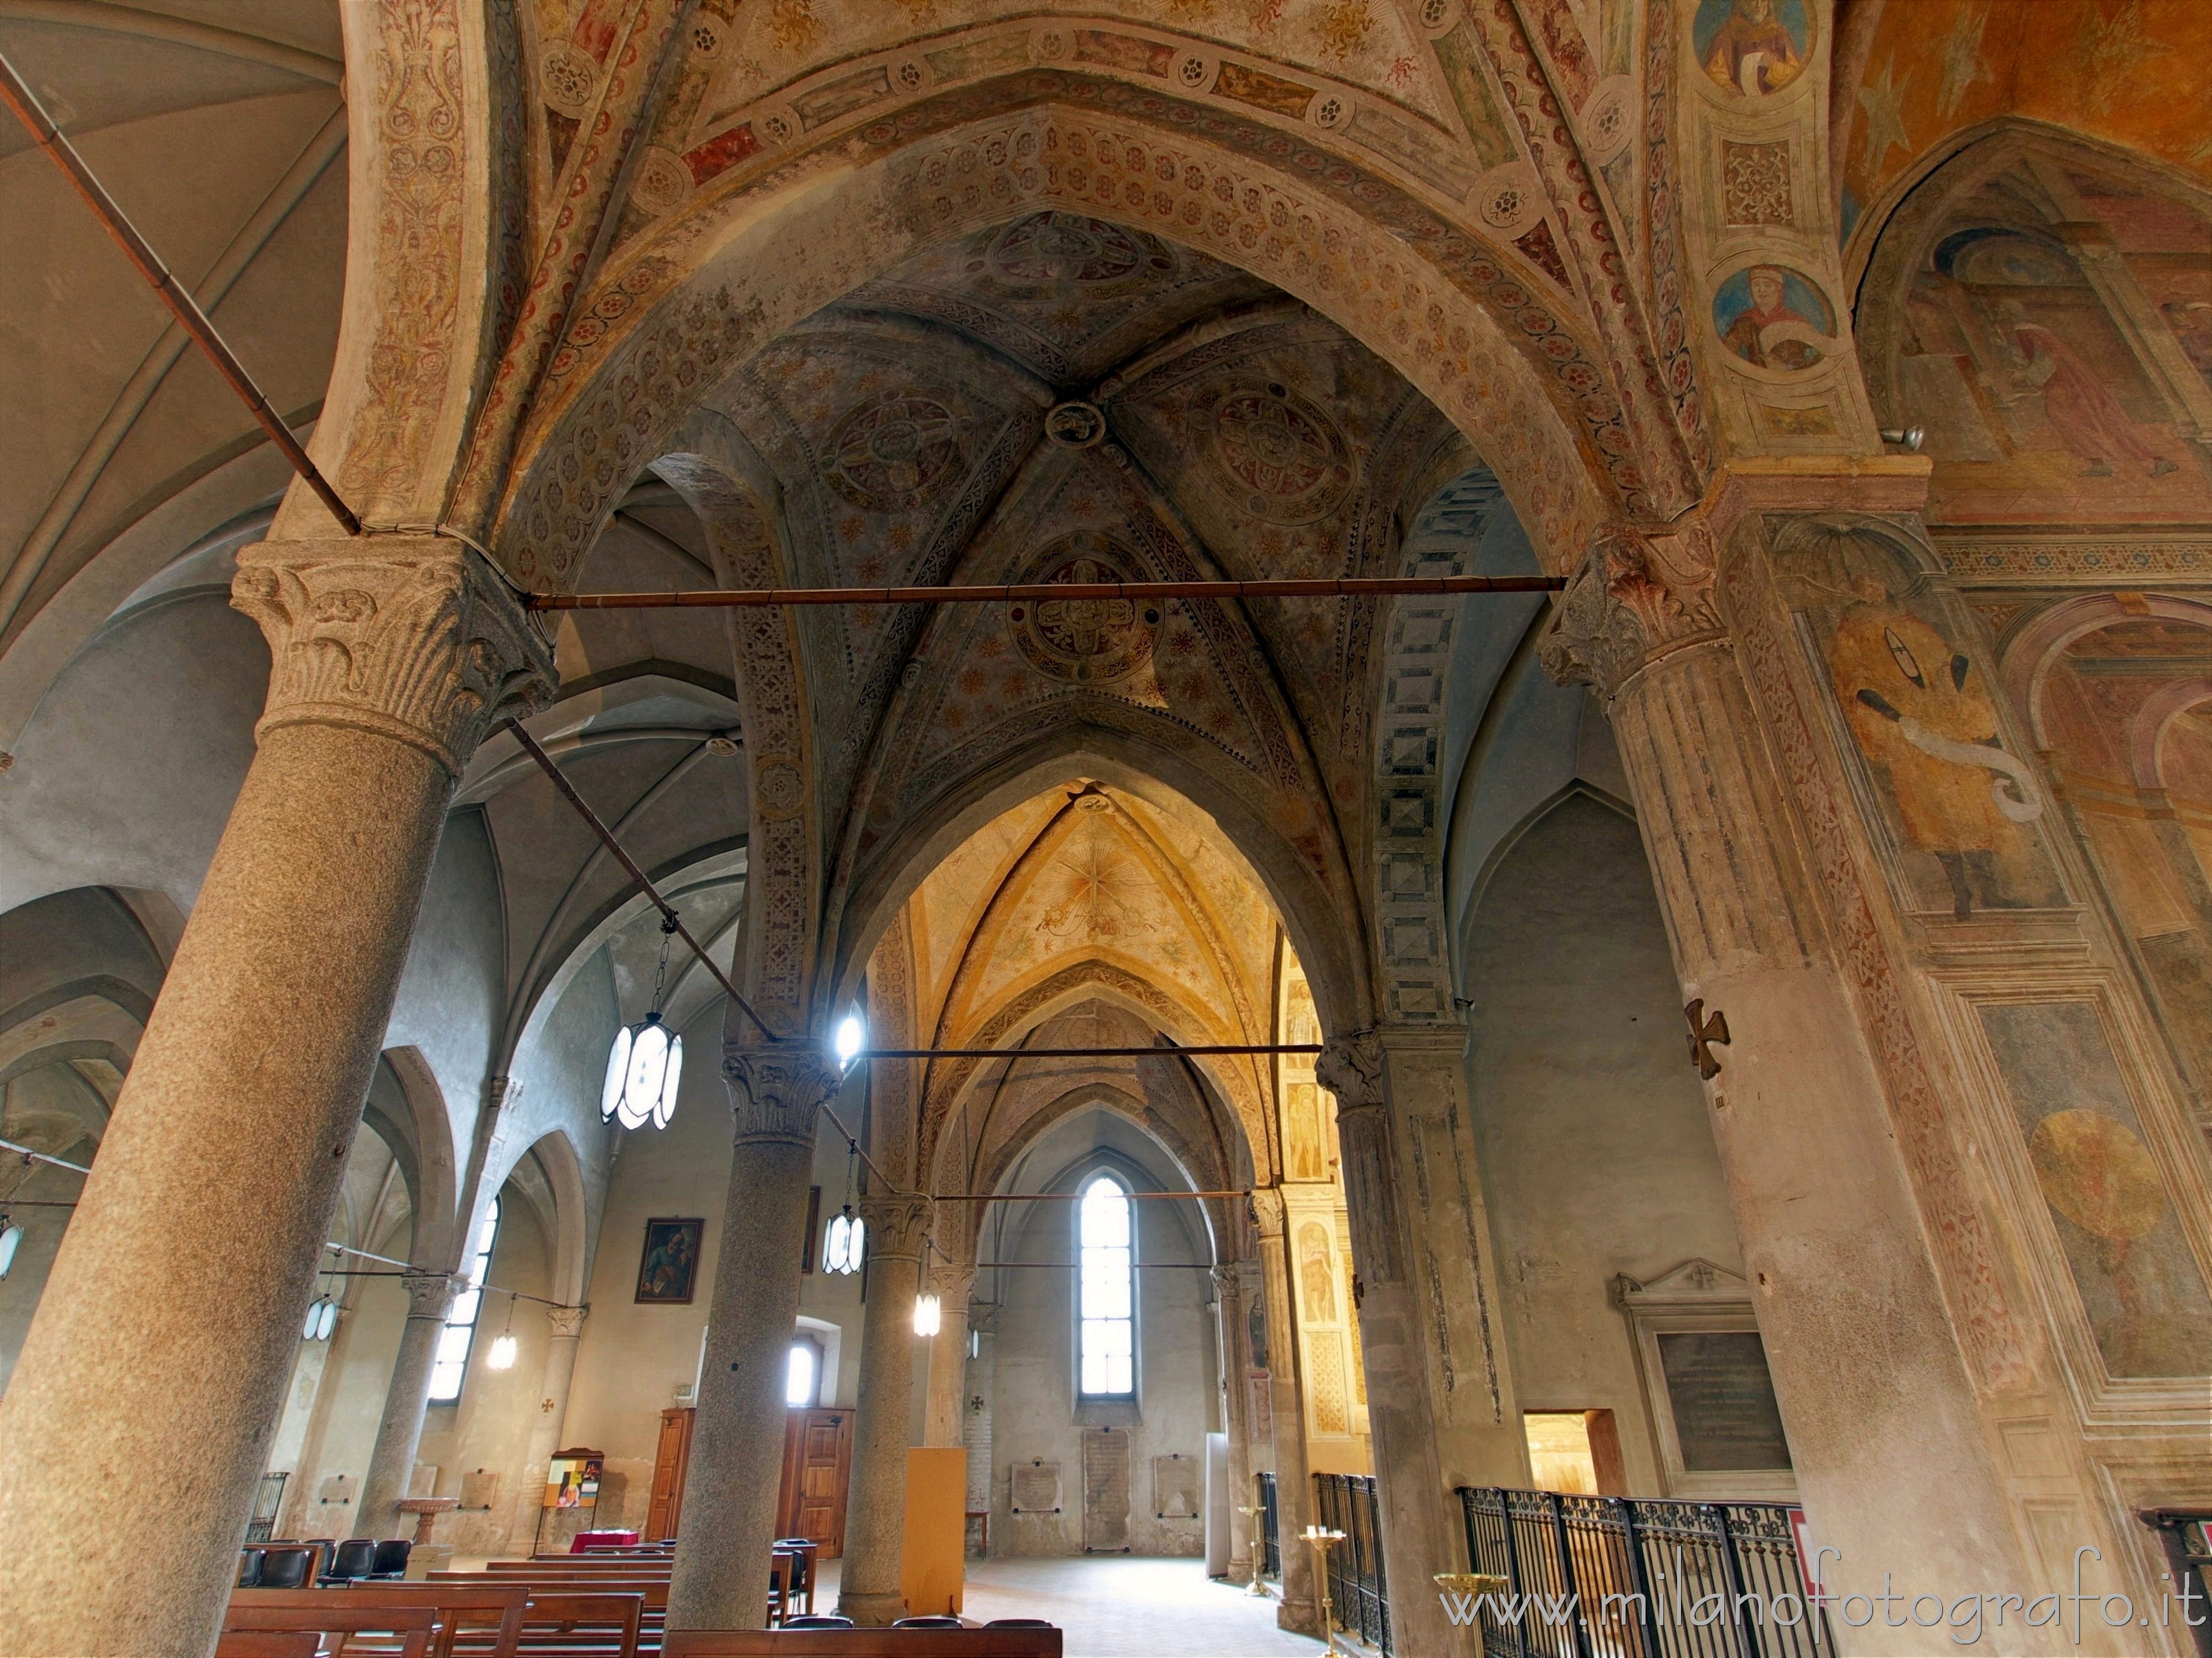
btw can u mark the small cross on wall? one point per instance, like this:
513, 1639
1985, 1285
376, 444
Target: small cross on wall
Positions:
1705, 1030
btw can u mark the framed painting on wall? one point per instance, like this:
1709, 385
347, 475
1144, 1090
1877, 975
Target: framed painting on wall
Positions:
670, 1264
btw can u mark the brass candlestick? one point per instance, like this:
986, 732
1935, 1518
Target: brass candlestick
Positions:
1322, 1540
1258, 1551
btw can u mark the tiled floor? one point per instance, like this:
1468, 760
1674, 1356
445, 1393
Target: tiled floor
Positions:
1121, 1607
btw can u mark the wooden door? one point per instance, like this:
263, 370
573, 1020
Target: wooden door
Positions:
669, 1460
817, 1466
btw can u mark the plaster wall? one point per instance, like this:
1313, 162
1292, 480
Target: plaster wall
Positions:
1591, 1128
1034, 1412
631, 1358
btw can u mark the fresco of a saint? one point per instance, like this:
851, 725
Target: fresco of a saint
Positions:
1754, 52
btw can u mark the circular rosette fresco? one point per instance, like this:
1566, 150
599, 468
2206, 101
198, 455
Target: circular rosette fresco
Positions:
1086, 640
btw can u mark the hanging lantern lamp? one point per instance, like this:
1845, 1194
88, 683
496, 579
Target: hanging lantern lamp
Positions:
646, 1062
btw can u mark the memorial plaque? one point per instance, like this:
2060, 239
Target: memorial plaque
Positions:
1725, 1416
1175, 1480
1105, 1490
1036, 1487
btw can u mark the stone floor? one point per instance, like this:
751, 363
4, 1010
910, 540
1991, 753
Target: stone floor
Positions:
1121, 1607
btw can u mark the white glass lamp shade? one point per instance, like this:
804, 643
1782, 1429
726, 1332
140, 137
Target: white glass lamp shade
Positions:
928, 1313
841, 1252
327, 1321
11, 1239
314, 1318
852, 1036
502, 1353
617, 1074
643, 1069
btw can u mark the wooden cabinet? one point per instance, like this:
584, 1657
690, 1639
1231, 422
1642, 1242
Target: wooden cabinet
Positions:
670, 1461
817, 1466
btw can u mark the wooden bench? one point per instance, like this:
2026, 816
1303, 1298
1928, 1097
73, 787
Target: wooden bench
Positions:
412, 1628
862, 1643
268, 1644
489, 1613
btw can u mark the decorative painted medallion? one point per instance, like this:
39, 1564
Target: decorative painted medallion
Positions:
1087, 641
894, 455
1282, 459
1054, 248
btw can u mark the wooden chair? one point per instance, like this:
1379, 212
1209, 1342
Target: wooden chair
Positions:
862, 1643
412, 1628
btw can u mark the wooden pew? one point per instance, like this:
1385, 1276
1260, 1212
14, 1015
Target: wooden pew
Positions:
268, 1644
583, 1626
488, 1613
413, 1628
862, 1643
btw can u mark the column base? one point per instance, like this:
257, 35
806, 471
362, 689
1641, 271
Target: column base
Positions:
872, 1610
1300, 1618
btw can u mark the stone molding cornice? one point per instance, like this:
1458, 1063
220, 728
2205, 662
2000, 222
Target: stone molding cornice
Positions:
776, 1090
412, 638
568, 1322
431, 1295
898, 1224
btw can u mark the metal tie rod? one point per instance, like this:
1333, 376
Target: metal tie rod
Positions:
1084, 1052
1010, 593
19, 97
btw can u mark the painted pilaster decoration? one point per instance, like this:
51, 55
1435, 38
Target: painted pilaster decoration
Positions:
412, 638
1352, 1068
898, 1224
776, 1089
1638, 597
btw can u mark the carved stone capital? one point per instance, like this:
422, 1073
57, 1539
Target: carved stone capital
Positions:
410, 637
566, 1321
777, 1089
898, 1225
431, 1295
1352, 1068
1638, 596
953, 1280
1270, 1216
1228, 1282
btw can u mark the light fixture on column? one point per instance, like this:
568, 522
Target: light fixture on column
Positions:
322, 1318
929, 1312
841, 1251
11, 1239
852, 1037
646, 1062
501, 1356
974, 1344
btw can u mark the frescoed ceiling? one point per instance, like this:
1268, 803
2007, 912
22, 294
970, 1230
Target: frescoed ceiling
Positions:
1088, 916
1062, 397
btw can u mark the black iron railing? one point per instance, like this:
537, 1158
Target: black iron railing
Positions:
1270, 1558
2187, 1534
1359, 1595
1637, 1577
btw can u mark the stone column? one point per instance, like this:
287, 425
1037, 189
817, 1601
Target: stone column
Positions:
399, 1431
161, 1346
552, 1414
1301, 1607
955, 1282
1874, 1391
875, 1511
721, 1577
1229, 1314
1398, 1277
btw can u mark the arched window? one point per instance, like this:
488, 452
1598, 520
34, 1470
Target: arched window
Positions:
1109, 1344
454, 1340
803, 1380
